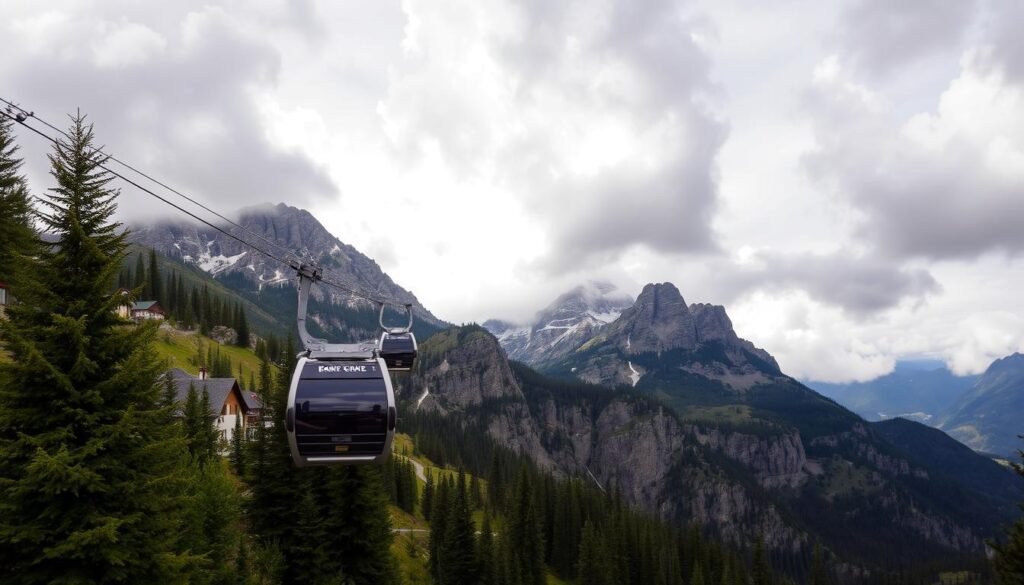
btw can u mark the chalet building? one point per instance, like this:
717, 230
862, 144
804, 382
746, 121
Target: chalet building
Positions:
146, 310
227, 401
254, 409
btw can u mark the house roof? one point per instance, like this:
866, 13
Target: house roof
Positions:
180, 374
144, 305
217, 388
252, 400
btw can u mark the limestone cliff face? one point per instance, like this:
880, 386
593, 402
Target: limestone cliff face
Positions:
777, 460
741, 481
464, 368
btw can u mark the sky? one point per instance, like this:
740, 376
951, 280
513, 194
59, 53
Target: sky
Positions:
847, 177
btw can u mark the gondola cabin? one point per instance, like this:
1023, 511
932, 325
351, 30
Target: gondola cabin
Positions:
340, 412
398, 350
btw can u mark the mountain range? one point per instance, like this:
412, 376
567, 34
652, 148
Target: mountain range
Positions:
698, 423
653, 398
982, 411
918, 390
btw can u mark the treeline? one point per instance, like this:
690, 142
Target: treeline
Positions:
533, 522
193, 307
188, 307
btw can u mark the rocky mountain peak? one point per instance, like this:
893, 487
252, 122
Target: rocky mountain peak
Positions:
560, 328
659, 321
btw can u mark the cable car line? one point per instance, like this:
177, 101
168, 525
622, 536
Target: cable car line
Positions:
147, 191
24, 114
21, 116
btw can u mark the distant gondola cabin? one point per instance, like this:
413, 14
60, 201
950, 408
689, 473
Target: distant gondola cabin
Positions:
3, 298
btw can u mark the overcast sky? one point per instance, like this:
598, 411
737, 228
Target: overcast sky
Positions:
847, 178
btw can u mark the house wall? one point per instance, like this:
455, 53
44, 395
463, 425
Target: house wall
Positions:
229, 411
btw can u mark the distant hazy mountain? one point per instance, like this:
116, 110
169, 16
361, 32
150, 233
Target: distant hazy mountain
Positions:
918, 390
990, 416
564, 325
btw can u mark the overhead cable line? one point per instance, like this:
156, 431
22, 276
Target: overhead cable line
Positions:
21, 117
24, 114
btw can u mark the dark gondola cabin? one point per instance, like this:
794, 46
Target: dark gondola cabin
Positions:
398, 350
340, 411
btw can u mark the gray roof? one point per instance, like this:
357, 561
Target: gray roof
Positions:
252, 400
180, 374
217, 388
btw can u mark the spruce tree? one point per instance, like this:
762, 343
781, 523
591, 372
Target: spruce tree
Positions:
237, 455
141, 282
459, 550
156, 286
819, 575
242, 328
1009, 557
485, 554
428, 496
761, 570
592, 565
16, 235
90, 468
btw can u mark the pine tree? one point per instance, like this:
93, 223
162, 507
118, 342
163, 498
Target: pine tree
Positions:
428, 496
90, 468
242, 328
16, 235
592, 566
459, 550
485, 554
819, 575
1009, 559
156, 286
237, 455
761, 570
141, 282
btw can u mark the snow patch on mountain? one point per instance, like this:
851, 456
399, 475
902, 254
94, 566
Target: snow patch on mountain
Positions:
634, 375
214, 264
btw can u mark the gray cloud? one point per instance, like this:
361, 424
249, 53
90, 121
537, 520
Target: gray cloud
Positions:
667, 208
861, 285
621, 82
883, 37
1007, 42
931, 187
172, 91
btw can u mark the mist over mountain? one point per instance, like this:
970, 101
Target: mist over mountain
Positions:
561, 327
